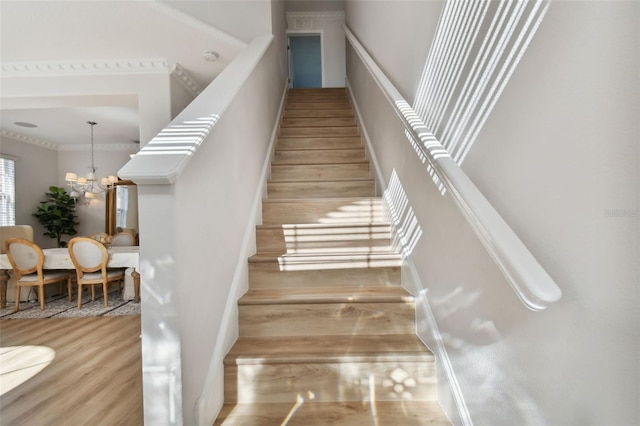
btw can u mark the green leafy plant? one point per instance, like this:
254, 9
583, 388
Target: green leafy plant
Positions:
57, 214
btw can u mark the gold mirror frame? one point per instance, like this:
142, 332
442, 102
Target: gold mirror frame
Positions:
110, 212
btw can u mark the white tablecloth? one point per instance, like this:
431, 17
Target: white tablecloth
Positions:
119, 257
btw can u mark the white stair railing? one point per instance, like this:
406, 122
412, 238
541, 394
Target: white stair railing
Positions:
528, 279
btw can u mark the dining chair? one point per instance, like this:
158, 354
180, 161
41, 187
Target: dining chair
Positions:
123, 239
90, 259
102, 237
27, 261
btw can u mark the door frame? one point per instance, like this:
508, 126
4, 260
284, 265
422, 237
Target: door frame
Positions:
306, 33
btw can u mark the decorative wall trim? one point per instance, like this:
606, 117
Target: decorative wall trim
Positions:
33, 141
324, 15
67, 147
179, 74
123, 66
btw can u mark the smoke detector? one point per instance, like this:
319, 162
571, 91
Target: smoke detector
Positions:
210, 55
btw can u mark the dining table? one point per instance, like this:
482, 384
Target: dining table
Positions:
59, 258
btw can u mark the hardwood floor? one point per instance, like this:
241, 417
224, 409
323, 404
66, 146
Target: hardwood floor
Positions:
71, 371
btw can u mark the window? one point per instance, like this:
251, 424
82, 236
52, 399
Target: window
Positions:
7, 192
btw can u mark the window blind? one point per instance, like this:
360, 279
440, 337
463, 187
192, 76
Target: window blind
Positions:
7, 192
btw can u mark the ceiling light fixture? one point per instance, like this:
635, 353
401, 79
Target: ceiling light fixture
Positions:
89, 186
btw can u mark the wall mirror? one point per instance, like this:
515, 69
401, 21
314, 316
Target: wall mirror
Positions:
122, 208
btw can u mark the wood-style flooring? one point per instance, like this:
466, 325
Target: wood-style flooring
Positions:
71, 371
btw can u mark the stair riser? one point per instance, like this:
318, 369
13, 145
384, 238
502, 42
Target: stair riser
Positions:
320, 189
317, 98
320, 171
319, 156
311, 143
327, 319
317, 90
294, 240
319, 122
313, 113
319, 131
348, 381
317, 247
322, 211
328, 105
269, 275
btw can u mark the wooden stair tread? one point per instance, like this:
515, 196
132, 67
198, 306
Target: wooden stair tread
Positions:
308, 226
345, 294
317, 113
371, 200
336, 104
327, 348
314, 413
314, 162
322, 259
335, 179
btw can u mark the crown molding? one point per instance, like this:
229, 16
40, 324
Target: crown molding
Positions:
53, 68
68, 147
329, 15
33, 141
179, 74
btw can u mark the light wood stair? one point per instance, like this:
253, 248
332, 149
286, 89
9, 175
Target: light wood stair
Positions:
327, 334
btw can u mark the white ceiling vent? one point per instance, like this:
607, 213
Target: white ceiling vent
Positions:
303, 23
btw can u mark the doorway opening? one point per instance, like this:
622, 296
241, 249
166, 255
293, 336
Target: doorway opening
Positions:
305, 60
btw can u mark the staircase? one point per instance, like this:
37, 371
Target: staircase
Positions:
327, 334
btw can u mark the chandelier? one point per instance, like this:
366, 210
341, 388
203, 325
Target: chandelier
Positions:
89, 186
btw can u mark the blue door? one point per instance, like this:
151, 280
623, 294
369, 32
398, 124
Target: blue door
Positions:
306, 63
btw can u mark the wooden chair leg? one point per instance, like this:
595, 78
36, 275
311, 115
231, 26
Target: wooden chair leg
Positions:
79, 295
93, 292
4, 278
69, 289
17, 299
41, 296
136, 286
105, 291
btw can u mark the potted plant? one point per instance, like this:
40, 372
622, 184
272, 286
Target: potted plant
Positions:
57, 214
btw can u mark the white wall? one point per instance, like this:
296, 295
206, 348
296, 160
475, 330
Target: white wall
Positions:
329, 26
397, 35
36, 171
241, 19
559, 160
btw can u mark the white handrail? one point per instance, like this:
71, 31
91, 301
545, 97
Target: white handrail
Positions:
531, 283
